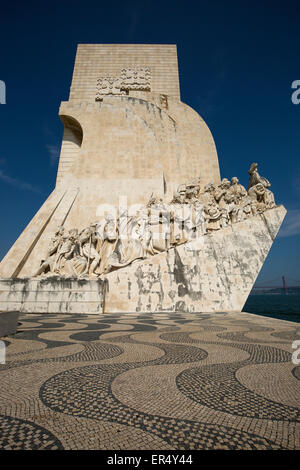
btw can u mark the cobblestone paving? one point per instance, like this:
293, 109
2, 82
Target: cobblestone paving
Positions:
161, 381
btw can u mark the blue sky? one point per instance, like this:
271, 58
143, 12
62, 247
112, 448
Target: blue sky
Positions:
237, 61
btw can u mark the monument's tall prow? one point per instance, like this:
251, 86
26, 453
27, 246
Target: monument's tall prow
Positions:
126, 132
139, 219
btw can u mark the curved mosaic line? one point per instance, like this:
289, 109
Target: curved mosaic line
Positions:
33, 335
91, 352
18, 434
173, 353
241, 337
86, 392
250, 324
288, 335
86, 336
296, 372
258, 354
253, 327
216, 386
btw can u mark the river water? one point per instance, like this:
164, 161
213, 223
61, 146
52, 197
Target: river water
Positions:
286, 307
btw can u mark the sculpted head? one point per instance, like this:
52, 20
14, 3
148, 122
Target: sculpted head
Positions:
154, 199
87, 231
176, 196
209, 188
110, 217
225, 183
193, 188
92, 227
73, 233
234, 180
253, 168
60, 230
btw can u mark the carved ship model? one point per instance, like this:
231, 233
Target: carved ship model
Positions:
128, 228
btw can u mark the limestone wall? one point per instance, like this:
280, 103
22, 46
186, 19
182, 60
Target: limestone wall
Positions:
214, 273
69, 152
132, 147
96, 60
52, 295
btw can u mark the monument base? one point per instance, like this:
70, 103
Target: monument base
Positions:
52, 295
214, 273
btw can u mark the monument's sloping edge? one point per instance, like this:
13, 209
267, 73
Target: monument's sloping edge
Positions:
55, 210
216, 272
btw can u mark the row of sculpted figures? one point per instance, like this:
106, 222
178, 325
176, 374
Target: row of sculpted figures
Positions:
116, 241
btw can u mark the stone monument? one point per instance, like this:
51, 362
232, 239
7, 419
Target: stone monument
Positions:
139, 219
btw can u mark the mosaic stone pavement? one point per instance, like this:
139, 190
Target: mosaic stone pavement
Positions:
158, 382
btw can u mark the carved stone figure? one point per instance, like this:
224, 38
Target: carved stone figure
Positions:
257, 193
180, 195
117, 242
187, 193
177, 222
107, 238
87, 243
177, 198
158, 215
154, 200
128, 247
200, 220
255, 177
192, 191
144, 234
221, 191
64, 253
269, 199
247, 207
208, 198
188, 218
78, 263
159, 226
48, 264
229, 209
211, 209
262, 198
237, 190
225, 200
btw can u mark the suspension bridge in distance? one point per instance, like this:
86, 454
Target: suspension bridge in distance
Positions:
280, 284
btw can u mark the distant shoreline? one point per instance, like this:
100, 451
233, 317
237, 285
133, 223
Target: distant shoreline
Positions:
275, 291
275, 304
